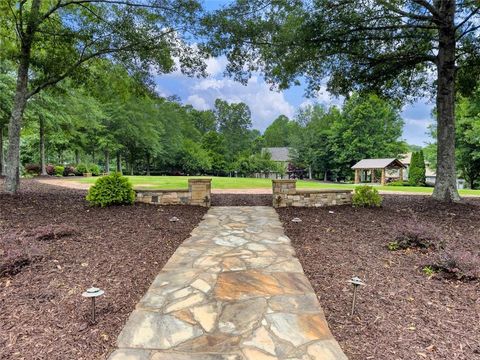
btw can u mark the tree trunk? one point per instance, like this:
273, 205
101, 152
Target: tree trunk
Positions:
77, 156
119, 163
107, 161
12, 172
1, 152
446, 179
12, 180
43, 166
148, 163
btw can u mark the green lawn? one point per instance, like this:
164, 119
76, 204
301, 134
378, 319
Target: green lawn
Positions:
179, 182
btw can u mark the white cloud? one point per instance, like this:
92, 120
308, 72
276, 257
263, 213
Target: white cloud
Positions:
197, 102
264, 104
419, 123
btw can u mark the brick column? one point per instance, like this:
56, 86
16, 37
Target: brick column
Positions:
200, 191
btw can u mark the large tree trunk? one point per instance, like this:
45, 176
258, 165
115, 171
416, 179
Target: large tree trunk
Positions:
43, 166
446, 179
1, 151
12, 172
12, 180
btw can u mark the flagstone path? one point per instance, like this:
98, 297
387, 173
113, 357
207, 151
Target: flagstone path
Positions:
233, 291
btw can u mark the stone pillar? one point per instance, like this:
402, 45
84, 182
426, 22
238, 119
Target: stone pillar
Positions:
400, 172
200, 191
382, 180
357, 176
372, 175
284, 186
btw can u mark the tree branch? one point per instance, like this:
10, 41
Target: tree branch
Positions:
410, 15
467, 18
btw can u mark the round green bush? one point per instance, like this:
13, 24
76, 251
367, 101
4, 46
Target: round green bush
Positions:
94, 169
81, 169
59, 170
366, 196
113, 189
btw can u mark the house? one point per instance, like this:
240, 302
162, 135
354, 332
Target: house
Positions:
284, 157
430, 175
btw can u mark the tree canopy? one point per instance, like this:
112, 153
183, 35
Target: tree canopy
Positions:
400, 49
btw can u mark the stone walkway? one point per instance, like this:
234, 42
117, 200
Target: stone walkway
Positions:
233, 291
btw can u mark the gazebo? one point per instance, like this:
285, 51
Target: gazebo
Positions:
370, 165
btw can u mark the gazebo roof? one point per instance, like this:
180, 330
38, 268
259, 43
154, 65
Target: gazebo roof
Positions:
378, 164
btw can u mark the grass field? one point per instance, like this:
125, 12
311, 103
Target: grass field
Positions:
179, 182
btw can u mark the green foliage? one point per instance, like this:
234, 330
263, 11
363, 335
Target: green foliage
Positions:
366, 196
281, 132
331, 141
399, 183
416, 172
393, 246
194, 159
59, 170
94, 169
429, 270
81, 169
113, 189
249, 165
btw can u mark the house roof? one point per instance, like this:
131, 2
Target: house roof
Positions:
278, 153
378, 164
406, 159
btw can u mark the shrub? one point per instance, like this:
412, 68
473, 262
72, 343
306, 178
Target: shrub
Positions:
32, 169
81, 169
417, 236
59, 170
50, 169
399, 183
113, 189
94, 169
366, 196
459, 265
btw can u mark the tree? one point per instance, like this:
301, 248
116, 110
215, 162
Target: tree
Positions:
468, 138
57, 39
416, 172
391, 47
280, 132
234, 122
369, 127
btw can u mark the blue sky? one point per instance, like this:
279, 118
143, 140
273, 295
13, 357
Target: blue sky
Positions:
266, 104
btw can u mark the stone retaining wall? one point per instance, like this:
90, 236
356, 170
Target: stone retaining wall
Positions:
285, 194
198, 193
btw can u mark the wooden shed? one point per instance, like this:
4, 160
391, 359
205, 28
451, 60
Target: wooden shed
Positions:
370, 165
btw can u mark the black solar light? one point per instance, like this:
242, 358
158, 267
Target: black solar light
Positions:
356, 282
93, 293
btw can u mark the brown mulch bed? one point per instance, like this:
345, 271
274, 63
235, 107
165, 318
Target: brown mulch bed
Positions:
241, 200
53, 246
402, 314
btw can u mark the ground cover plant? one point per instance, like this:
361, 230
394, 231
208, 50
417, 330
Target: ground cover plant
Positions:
53, 246
420, 302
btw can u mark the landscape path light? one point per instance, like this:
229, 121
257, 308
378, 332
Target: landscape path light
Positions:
356, 282
93, 293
